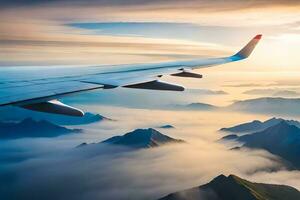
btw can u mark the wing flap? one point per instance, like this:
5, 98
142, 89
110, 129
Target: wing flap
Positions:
156, 85
55, 107
188, 74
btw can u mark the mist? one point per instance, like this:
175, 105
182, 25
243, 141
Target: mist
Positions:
100, 171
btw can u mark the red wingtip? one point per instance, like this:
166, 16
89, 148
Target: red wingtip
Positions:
258, 37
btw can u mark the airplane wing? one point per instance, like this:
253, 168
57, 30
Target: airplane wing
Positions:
40, 92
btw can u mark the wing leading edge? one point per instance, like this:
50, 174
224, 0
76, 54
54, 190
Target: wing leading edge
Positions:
40, 94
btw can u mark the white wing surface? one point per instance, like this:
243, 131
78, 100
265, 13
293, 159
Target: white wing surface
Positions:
39, 90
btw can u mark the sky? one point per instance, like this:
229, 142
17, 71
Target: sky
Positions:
63, 32
59, 33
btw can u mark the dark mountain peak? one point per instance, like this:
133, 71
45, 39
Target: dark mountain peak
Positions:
256, 125
273, 121
166, 126
230, 137
82, 145
281, 139
234, 178
144, 134
282, 127
141, 138
244, 127
200, 106
278, 133
235, 188
283, 123
220, 178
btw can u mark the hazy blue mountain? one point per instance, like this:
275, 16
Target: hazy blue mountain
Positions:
287, 93
264, 105
273, 105
12, 113
31, 128
257, 125
281, 139
207, 92
245, 127
275, 92
235, 188
88, 118
139, 138
200, 106
167, 126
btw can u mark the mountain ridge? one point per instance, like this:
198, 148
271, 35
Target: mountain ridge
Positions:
262, 105
139, 138
282, 139
233, 187
32, 128
257, 125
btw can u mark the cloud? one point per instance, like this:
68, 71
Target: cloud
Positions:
143, 98
100, 51
279, 177
109, 173
145, 174
208, 92
39, 32
231, 4
245, 85
284, 12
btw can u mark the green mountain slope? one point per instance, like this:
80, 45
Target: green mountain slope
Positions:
235, 188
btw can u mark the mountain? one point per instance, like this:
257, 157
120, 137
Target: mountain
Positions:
264, 105
275, 92
12, 113
142, 138
271, 105
245, 127
31, 128
167, 126
139, 138
88, 118
235, 188
207, 92
281, 139
257, 125
200, 106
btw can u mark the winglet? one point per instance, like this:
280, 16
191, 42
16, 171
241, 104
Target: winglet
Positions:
247, 50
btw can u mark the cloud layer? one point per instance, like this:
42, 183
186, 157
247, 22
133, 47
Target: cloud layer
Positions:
56, 170
39, 33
